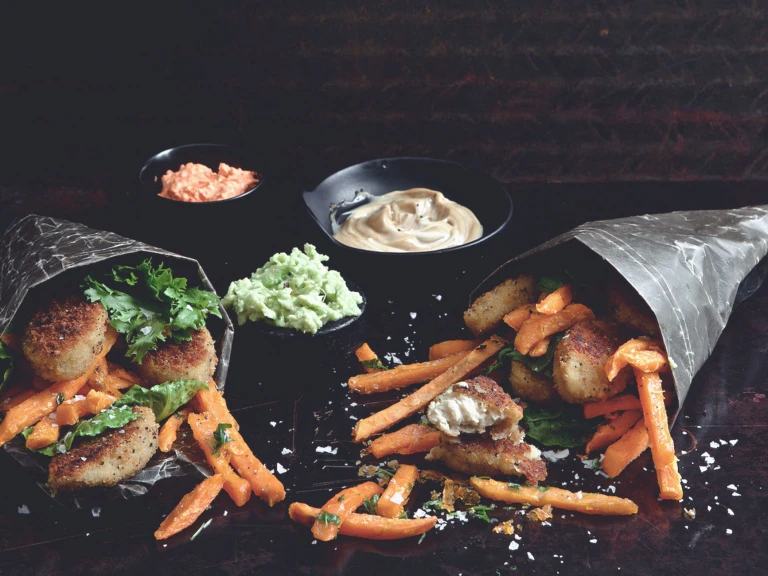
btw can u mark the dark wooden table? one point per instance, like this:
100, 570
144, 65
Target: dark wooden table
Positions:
285, 398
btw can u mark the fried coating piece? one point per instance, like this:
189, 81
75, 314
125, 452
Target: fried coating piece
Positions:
108, 458
193, 360
628, 308
488, 310
64, 339
480, 455
579, 362
531, 386
474, 406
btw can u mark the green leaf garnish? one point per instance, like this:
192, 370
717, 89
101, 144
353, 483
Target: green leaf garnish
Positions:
541, 364
164, 399
543, 488
221, 437
326, 518
560, 425
110, 419
60, 398
480, 512
154, 306
549, 284
514, 486
371, 505
374, 364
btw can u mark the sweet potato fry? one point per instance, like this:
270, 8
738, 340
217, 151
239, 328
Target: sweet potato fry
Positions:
367, 525
556, 301
203, 426
365, 355
620, 402
659, 438
536, 328
391, 503
606, 434
584, 502
12, 391
38, 406
519, 315
70, 411
120, 372
98, 401
390, 416
670, 485
262, 481
451, 347
630, 353
13, 401
540, 348
191, 507
338, 509
45, 433
409, 439
170, 429
403, 375
625, 450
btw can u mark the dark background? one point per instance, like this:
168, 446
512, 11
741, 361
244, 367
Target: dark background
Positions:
527, 91
585, 110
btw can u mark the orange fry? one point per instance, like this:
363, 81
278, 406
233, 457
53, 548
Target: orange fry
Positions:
15, 400
409, 439
403, 375
540, 349
98, 401
170, 429
556, 301
391, 503
45, 433
620, 402
367, 525
203, 426
263, 483
365, 354
70, 411
629, 353
609, 432
519, 315
660, 440
625, 450
542, 326
338, 509
191, 507
390, 416
584, 502
451, 347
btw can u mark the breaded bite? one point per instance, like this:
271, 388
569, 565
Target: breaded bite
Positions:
480, 455
580, 358
488, 310
64, 339
474, 406
108, 458
193, 360
628, 308
531, 386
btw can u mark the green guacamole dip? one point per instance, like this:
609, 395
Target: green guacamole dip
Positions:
293, 291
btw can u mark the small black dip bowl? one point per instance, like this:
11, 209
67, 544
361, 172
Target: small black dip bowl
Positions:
180, 226
486, 197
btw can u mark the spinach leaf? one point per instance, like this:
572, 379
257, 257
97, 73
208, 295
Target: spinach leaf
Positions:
110, 419
549, 284
557, 426
540, 364
164, 399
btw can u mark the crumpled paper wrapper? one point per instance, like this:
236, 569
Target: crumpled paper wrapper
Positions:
35, 249
690, 267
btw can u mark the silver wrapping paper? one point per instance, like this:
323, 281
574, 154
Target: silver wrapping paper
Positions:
688, 266
35, 249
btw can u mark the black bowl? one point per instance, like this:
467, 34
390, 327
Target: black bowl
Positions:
186, 227
487, 198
